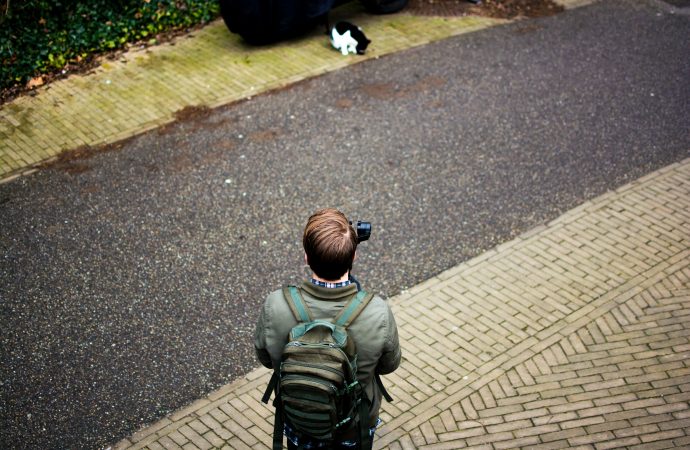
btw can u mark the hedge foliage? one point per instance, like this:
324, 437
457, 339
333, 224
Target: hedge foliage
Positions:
44, 36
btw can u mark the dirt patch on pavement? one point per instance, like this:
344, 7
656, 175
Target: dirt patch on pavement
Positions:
389, 91
501, 9
264, 136
192, 112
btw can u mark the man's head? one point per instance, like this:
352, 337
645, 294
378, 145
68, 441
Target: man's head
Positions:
329, 243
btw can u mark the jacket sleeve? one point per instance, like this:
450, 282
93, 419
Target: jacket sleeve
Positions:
260, 338
391, 356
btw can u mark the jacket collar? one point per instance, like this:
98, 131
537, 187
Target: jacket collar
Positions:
329, 294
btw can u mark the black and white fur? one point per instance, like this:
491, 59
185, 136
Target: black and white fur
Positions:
349, 38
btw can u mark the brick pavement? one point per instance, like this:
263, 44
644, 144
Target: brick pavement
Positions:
574, 335
144, 89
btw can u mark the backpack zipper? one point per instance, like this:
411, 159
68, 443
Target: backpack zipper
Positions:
340, 373
302, 344
326, 384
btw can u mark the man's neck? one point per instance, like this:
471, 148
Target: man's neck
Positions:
339, 280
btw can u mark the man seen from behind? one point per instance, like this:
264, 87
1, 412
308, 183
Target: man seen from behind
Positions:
332, 296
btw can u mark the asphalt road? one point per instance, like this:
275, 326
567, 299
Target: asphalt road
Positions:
131, 280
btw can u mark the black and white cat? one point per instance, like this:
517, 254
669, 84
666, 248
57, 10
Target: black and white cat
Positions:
349, 38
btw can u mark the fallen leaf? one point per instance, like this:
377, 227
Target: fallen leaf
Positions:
35, 82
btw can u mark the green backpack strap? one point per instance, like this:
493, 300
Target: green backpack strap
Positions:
297, 304
384, 392
348, 315
353, 309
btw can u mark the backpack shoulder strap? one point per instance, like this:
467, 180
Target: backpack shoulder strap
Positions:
353, 308
297, 304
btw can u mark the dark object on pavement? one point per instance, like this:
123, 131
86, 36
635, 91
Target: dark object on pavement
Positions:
265, 21
384, 6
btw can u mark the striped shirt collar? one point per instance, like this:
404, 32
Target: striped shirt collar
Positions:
330, 285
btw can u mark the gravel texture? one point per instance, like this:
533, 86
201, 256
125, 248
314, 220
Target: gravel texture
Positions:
131, 279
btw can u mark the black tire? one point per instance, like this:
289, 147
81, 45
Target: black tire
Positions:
261, 22
384, 6
251, 20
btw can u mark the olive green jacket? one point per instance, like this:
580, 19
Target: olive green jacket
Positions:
374, 332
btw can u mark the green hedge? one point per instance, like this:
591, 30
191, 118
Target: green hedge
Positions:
43, 36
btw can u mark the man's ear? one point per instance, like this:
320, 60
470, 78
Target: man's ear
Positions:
306, 260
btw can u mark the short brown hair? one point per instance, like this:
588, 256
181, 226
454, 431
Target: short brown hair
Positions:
330, 243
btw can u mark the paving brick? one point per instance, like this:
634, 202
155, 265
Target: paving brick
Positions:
672, 424
526, 442
217, 414
533, 402
555, 418
606, 371
194, 438
449, 424
648, 377
500, 410
489, 438
584, 381
237, 444
552, 445
155, 446
582, 422
591, 438
428, 433
213, 439
662, 435
530, 414
650, 419
645, 403
673, 381
168, 443
589, 395
682, 442
241, 432
536, 430
417, 438
198, 426
567, 406
641, 390
234, 414
178, 438
637, 430
617, 443
607, 426
682, 414
668, 408
565, 434
508, 426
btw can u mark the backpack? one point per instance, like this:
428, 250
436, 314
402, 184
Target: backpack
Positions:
316, 386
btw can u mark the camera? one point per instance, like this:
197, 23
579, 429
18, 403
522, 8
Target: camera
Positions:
363, 230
